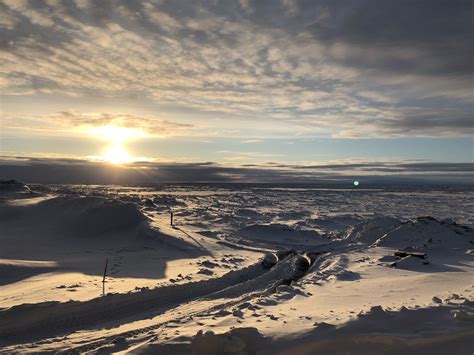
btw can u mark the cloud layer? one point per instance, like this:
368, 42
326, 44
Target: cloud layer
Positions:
77, 171
340, 68
68, 121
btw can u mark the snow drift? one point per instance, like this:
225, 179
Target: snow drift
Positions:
312, 293
418, 234
86, 216
14, 189
42, 318
13, 186
367, 232
280, 234
427, 233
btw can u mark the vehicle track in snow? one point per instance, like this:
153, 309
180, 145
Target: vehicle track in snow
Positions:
291, 267
280, 268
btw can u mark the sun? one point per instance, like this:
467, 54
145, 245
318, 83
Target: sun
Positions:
116, 137
117, 154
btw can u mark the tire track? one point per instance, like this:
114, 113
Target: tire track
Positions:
289, 267
29, 322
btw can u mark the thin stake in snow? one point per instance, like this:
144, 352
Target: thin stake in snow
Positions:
103, 278
171, 218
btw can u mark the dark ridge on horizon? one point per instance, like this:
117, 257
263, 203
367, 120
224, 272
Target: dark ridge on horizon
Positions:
70, 171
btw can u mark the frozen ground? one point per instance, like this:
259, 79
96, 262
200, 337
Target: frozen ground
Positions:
244, 269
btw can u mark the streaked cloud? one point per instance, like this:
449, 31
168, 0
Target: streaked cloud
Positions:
70, 121
324, 68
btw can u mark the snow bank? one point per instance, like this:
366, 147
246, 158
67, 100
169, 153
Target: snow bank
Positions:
13, 186
369, 231
167, 201
331, 267
14, 189
405, 331
418, 234
36, 320
280, 234
101, 215
427, 233
236, 341
410, 263
77, 215
12, 270
334, 223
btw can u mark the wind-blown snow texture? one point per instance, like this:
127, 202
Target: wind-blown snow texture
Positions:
244, 269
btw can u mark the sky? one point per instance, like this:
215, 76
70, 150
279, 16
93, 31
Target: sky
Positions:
306, 84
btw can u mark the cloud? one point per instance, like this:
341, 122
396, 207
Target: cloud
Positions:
290, 6
353, 69
246, 5
78, 171
70, 120
423, 37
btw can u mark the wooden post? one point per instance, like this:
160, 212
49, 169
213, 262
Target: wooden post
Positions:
103, 278
171, 217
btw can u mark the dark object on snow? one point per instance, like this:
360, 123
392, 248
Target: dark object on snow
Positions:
13, 185
105, 274
282, 254
402, 254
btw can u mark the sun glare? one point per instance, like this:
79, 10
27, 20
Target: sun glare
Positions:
117, 154
116, 137
116, 134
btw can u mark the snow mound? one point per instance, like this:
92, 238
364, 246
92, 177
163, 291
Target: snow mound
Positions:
369, 231
248, 212
39, 319
94, 215
167, 201
388, 258
427, 233
404, 331
388, 332
334, 223
280, 234
287, 292
332, 267
9, 188
347, 275
410, 263
81, 215
12, 185
236, 341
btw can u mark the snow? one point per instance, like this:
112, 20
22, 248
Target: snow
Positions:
13, 186
279, 234
372, 229
241, 271
426, 233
